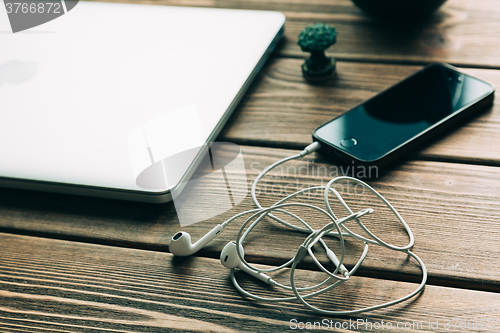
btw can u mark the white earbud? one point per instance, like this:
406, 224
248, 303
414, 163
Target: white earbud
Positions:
180, 244
229, 259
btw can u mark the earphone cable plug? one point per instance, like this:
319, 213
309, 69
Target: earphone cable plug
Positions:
315, 146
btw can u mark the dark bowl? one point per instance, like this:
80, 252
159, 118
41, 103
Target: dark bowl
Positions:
399, 10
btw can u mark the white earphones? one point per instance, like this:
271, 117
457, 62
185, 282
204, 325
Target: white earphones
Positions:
229, 258
180, 244
232, 256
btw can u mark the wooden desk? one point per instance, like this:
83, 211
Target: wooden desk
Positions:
92, 265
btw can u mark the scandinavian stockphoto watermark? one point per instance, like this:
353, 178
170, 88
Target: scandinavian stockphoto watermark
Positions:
26, 14
285, 180
164, 147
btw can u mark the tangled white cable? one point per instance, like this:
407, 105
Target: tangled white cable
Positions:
232, 256
334, 228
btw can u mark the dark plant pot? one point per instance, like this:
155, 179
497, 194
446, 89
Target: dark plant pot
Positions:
399, 10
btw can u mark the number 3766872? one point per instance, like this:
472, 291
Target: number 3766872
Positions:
40, 7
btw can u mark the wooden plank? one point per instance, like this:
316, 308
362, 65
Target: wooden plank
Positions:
459, 33
462, 32
453, 210
59, 286
282, 110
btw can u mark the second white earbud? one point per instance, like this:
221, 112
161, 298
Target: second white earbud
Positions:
229, 259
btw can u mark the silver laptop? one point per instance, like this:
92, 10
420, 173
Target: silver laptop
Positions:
92, 100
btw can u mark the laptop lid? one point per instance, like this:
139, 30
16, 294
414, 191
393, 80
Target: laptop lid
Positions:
90, 100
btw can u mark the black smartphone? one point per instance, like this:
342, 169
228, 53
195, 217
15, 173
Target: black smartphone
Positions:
404, 116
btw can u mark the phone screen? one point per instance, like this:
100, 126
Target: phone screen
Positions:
383, 123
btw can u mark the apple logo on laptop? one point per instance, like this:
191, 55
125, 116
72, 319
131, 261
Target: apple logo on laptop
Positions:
26, 14
16, 72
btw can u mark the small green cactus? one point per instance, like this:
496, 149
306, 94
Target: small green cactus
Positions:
316, 39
